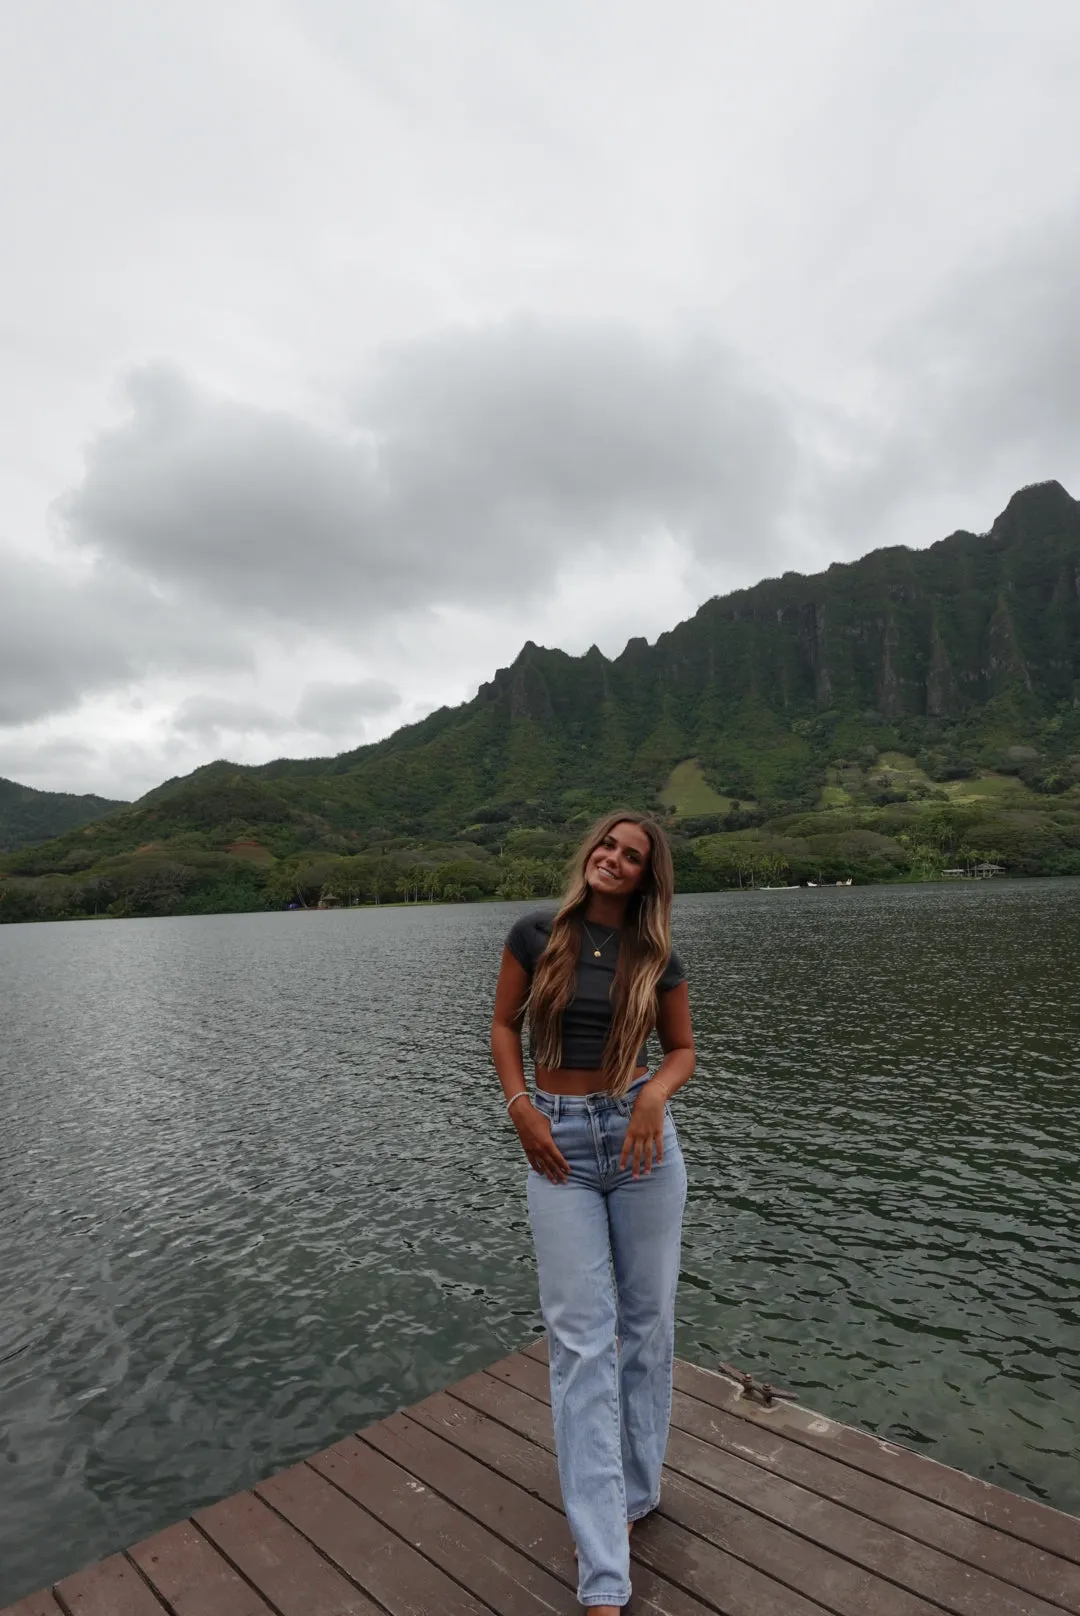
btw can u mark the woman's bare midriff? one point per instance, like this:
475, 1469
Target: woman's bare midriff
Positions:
574, 1079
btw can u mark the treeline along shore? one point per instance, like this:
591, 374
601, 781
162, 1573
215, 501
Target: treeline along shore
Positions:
897, 718
945, 841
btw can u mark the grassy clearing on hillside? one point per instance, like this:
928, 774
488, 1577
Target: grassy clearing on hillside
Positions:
1003, 789
687, 792
901, 768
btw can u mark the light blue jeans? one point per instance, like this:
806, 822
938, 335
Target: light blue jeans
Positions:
607, 1249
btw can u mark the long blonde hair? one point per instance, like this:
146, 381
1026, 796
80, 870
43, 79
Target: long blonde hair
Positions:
644, 949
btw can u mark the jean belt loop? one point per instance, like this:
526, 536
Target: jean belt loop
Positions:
556, 1107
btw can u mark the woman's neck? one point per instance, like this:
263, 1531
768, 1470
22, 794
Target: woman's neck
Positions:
605, 911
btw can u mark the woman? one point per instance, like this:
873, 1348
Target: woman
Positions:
607, 1182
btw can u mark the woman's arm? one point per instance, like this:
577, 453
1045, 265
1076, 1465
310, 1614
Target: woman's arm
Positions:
511, 993
644, 1142
533, 1127
676, 1034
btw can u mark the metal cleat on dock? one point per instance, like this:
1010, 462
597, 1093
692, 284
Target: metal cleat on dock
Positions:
758, 1392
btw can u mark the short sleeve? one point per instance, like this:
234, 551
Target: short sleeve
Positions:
674, 973
526, 941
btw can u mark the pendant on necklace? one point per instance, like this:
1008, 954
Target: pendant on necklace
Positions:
596, 953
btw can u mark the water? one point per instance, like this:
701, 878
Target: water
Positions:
257, 1189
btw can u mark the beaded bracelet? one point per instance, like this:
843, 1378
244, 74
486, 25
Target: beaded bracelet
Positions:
522, 1094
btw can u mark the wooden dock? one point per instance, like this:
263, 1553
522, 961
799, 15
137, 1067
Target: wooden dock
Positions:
452, 1508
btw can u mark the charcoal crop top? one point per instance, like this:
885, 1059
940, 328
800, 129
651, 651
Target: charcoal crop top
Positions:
587, 1017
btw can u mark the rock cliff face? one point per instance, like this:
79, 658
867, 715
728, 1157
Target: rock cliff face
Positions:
904, 633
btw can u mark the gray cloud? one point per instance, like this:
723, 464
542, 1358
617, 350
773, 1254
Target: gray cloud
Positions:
973, 397
478, 461
524, 440
326, 707
998, 357
242, 505
207, 718
72, 630
332, 708
56, 762
53, 648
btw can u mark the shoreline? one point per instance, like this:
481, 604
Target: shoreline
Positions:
537, 898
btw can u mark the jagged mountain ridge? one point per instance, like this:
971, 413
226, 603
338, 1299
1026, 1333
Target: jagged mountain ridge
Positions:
975, 640
928, 633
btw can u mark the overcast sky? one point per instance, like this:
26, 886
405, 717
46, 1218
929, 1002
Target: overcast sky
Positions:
345, 346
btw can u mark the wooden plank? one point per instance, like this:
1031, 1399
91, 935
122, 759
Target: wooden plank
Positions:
984, 1547
111, 1588
678, 1557
503, 1578
536, 1528
283, 1565
1018, 1563
1024, 1518
881, 1550
188, 1572
729, 1585
526, 1373
532, 1521
385, 1566
537, 1348
39, 1604
1038, 1524
774, 1550
513, 1408
922, 1578
846, 1589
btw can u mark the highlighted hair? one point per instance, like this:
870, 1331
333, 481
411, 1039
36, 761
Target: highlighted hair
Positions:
644, 950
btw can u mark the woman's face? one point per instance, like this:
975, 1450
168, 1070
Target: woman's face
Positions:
617, 865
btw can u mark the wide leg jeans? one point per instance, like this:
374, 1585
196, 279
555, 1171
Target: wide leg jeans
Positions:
607, 1248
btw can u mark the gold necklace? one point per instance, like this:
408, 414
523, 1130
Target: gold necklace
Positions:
592, 939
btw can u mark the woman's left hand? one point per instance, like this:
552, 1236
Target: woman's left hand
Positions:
644, 1142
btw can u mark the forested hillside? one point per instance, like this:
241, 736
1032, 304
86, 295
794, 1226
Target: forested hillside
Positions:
27, 815
885, 719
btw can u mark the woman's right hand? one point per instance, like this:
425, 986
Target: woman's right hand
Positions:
534, 1131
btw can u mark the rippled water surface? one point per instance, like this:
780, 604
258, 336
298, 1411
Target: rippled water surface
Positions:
256, 1187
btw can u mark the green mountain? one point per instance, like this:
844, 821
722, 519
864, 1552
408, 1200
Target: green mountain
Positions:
27, 815
963, 651
878, 719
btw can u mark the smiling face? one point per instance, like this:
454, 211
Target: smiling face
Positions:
617, 864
